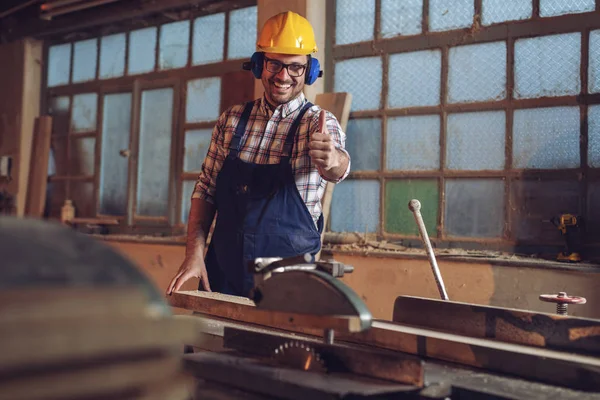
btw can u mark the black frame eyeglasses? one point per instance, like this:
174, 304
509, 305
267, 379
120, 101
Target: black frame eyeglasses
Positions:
275, 66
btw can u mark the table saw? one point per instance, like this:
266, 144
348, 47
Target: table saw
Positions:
304, 334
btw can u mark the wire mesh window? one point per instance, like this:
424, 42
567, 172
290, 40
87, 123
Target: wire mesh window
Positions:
134, 111
494, 130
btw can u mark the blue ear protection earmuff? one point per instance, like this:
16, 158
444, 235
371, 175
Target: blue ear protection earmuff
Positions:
312, 73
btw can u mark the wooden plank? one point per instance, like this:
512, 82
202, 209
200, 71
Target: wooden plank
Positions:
242, 310
374, 363
551, 331
38, 169
34, 344
94, 379
339, 104
43, 304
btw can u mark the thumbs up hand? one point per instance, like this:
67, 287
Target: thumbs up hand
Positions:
322, 148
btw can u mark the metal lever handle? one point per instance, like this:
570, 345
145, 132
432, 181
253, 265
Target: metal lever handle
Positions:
415, 206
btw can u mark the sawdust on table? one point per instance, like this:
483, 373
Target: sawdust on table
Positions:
367, 247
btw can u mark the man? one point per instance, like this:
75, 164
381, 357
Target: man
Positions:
266, 168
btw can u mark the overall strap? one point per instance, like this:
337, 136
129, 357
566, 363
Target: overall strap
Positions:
234, 146
289, 140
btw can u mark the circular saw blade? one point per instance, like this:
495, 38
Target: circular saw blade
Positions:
299, 355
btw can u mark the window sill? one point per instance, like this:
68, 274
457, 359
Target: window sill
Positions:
141, 239
386, 250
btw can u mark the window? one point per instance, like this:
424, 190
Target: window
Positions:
133, 114
481, 123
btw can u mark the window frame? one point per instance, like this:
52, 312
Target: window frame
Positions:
509, 32
135, 84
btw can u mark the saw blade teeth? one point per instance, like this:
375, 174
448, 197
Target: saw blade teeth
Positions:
299, 355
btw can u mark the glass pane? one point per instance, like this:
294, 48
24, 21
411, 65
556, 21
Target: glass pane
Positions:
594, 66
477, 73
414, 79
401, 17
84, 60
594, 136
142, 51
209, 39
475, 141
187, 188
203, 100
59, 156
495, 11
82, 194
59, 110
549, 8
592, 225
59, 64
413, 143
112, 56
85, 107
445, 15
196, 148
354, 21
154, 161
242, 32
546, 138
360, 77
363, 142
174, 45
547, 66
81, 159
355, 206
534, 202
116, 125
398, 218
474, 207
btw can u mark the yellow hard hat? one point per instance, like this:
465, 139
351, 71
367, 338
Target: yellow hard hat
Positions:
287, 33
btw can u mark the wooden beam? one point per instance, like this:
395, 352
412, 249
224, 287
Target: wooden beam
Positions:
551, 331
114, 13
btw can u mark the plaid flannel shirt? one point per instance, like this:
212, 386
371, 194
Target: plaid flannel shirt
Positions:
263, 142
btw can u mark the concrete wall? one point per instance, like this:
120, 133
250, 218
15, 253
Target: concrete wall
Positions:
378, 280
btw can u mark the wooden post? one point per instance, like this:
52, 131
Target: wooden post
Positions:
38, 169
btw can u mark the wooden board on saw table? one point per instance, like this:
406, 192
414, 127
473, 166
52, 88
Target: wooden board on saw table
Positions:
242, 309
554, 367
552, 331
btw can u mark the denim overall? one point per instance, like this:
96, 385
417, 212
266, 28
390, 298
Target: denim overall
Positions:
259, 214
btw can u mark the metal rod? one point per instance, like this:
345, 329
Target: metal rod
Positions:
17, 8
415, 206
